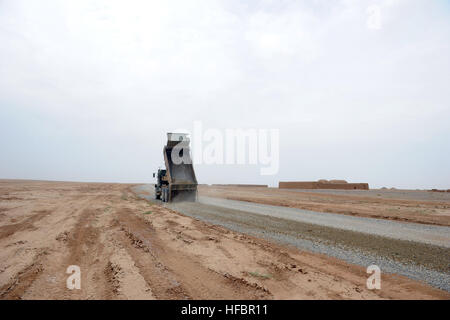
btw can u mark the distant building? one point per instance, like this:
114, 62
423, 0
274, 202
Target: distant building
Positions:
323, 184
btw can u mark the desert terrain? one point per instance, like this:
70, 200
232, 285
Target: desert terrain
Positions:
130, 247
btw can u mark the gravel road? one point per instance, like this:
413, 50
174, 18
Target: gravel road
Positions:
421, 252
435, 235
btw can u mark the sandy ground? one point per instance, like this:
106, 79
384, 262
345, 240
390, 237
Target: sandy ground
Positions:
386, 194
128, 248
411, 206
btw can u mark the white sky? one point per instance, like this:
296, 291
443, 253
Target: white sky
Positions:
89, 88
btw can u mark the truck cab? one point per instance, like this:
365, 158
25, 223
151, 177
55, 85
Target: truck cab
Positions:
161, 182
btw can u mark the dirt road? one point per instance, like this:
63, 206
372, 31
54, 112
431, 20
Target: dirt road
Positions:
409, 206
128, 248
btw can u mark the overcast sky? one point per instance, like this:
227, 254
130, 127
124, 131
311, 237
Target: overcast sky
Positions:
358, 89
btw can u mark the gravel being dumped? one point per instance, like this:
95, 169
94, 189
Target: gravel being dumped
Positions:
417, 260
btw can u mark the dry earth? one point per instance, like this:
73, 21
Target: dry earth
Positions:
382, 204
128, 248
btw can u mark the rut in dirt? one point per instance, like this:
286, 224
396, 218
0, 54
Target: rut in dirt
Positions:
173, 275
86, 250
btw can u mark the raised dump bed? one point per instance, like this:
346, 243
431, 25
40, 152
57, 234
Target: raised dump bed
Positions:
179, 182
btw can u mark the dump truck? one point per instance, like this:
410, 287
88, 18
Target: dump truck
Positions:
177, 182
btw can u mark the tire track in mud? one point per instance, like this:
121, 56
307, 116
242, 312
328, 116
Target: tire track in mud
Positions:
87, 250
15, 289
81, 243
95, 245
74, 218
171, 274
136, 235
126, 279
18, 285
